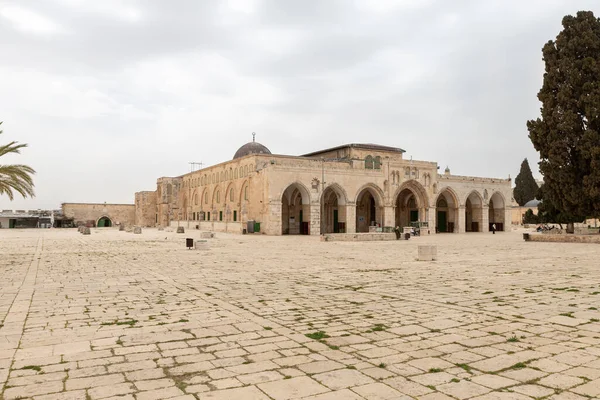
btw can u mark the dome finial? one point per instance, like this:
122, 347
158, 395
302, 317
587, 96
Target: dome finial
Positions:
253, 137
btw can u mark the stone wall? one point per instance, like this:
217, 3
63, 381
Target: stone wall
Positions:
565, 238
145, 209
90, 213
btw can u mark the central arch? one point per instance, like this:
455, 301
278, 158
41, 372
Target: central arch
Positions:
446, 215
333, 210
412, 204
369, 208
295, 210
104, 222
474, 212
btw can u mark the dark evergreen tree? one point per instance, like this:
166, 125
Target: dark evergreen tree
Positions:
530, 217
525, 185
549, 213
567, 135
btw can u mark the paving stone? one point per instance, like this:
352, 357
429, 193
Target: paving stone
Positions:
342, 378
379, 391
292, 388
246, 393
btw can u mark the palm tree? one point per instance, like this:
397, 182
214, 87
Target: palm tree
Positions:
15, 177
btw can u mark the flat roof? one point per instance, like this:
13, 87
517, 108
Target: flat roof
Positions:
366, 146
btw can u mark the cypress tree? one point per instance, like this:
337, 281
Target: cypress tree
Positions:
567, 135
525, 185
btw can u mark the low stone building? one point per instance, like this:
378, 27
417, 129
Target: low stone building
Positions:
349, 188
100, 214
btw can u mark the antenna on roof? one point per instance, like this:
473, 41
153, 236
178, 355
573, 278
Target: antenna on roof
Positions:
253, 137
193, 165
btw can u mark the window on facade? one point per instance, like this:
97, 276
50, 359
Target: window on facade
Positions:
218, 197
234, 215
369, 162
407, 172
196, 199
231, 194
377, 163
209, 215
220, 215
246, 193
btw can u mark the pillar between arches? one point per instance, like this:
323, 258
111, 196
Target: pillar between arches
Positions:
350, 218
462, 216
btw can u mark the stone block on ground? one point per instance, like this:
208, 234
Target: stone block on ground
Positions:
427, 253
180, 229
207, 235
202, 244
86, 231
137, 230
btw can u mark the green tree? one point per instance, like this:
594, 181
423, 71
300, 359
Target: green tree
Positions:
567, 135
549, 213
525, 185
15, 178
530, 217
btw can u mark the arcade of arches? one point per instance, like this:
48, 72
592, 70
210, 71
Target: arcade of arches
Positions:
339, 215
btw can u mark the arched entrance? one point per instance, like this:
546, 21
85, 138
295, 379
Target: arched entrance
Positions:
474, 213
446, 215
104, 222
295, 210
411, 204
368, 210
496, 211
333, 210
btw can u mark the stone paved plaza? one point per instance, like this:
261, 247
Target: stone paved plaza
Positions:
118, 315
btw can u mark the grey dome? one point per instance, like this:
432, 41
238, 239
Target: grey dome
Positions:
251, 148
532, 203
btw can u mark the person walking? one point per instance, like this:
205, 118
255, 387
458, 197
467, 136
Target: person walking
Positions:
493, 229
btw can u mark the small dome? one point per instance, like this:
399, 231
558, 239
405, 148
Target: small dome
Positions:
251, 148
532, 203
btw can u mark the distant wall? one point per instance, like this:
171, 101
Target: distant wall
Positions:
90, 213
145, 209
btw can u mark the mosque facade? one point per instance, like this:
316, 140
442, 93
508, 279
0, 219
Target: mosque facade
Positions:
345, 189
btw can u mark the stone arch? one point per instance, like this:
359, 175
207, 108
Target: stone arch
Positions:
447, 211
369, 207
474, 212
104, 222
412, 203
333, 209
295, 210
497, 211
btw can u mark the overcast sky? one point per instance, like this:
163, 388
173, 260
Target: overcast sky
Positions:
112, 94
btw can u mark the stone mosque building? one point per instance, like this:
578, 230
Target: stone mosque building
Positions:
348, 188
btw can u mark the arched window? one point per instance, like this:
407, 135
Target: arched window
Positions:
231, 195
377, 163
369, 162
407, 172
205, 197
442, 203
246, 193
218, 197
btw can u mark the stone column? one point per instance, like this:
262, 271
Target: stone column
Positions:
350, 217
507, 220
389, 216
485, 219
460, 224
274, 220
431, 219
315, 219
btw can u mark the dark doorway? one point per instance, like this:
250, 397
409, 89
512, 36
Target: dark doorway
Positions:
441, 218
336, 226
104, 222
